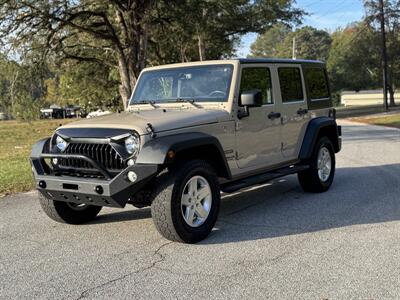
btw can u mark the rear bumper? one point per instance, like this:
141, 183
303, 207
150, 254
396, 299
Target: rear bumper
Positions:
113, 192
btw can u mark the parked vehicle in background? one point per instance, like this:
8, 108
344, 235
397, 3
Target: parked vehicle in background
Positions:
191, 131
98, 113
3, 116
53, 112
58, 112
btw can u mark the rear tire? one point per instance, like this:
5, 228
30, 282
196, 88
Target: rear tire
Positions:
176, 211
319, 177
64, 212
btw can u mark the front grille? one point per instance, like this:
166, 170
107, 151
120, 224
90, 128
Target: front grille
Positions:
103, 154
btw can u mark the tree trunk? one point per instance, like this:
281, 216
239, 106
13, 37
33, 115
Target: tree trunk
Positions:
202, 47
391, 93
125, 89
132, 53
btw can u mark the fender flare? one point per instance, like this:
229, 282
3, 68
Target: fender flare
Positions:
155, 151
40, 147
313, 130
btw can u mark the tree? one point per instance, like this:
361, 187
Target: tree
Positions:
354, 58
90, 85
266, 44
392, 27
85, 30
82, 30
311, 43
21, 88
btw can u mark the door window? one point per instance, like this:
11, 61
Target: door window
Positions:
291, 85
258, 78
317, 85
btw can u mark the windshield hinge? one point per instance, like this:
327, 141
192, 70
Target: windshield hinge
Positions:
150, 129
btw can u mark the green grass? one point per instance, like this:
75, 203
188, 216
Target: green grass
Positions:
390, 120
16, 140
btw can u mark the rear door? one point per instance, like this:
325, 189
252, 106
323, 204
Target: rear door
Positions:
295, 114
258, 135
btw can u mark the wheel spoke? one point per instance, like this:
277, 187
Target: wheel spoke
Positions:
319, 164
200, 211
203, 193
189, 215
192, 186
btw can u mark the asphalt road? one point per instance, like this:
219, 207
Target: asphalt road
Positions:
270, 242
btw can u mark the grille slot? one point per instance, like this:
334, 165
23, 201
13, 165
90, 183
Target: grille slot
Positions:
103, 154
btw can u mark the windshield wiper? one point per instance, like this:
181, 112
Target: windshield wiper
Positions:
151, 102
190, 101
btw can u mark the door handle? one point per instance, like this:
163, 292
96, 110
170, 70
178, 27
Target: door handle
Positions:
274, 115
302, 111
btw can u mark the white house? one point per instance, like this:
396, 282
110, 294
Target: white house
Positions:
361, 98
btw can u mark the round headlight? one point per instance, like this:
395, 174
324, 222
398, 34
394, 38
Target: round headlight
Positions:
132, 145
61, 143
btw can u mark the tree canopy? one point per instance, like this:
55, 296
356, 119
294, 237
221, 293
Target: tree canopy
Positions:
128, 35
310, 43
90, 52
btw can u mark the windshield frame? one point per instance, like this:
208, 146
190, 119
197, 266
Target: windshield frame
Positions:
221, 63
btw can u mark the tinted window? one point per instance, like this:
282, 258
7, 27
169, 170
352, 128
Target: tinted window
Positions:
317, 85
257, 78
291, 87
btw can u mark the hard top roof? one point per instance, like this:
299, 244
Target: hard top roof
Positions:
278, 61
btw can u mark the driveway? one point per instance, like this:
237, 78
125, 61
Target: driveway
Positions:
272, 241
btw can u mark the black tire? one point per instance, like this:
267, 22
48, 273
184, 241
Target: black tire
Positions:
166, 205
309, 179
62, 212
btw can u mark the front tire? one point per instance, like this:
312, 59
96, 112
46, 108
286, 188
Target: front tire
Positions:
186, 202
319, 177
70, 213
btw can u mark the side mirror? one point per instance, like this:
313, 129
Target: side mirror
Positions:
251, 98
248, 99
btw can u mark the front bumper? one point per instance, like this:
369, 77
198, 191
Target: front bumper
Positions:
113, 192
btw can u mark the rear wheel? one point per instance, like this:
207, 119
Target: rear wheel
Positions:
67, 212
186, 202
319, 177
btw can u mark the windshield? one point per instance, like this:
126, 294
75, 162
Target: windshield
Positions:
198, 83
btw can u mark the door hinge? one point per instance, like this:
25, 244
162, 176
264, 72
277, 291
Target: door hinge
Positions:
237, 125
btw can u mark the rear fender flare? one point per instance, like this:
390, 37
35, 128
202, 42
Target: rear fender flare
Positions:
314, 128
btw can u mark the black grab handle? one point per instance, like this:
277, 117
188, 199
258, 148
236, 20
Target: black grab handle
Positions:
274, 115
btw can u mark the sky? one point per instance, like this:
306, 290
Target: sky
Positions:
323, 14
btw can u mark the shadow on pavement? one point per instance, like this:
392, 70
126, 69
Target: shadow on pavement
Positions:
360, 195
123, 215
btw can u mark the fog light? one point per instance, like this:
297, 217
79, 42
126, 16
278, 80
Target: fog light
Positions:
42, 184
99, 190
131, 162
132, 176
54, 161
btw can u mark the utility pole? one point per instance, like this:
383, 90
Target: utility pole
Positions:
294, 48
384, 55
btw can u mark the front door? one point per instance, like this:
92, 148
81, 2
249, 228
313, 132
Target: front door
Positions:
258, 143
295, 113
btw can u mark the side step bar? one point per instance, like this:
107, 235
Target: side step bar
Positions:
234, 186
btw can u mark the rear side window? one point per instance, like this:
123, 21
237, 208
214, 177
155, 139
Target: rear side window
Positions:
257, 79
317, 85
291, 86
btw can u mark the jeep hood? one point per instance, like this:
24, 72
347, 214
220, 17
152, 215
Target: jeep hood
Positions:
161, 120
